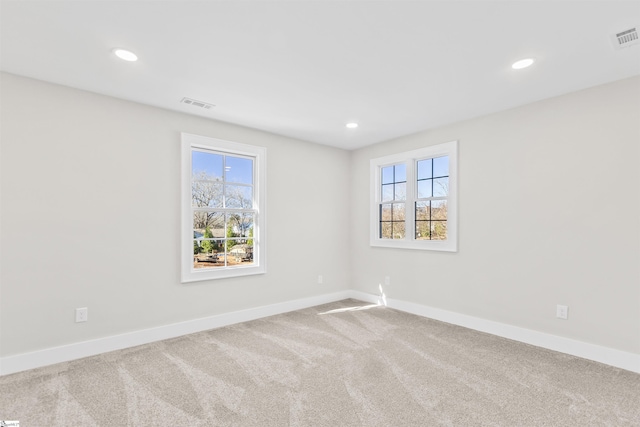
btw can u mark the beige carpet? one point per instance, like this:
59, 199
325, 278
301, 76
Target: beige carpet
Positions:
326, 366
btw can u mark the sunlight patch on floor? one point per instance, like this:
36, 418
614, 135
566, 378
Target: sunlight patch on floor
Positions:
356, 308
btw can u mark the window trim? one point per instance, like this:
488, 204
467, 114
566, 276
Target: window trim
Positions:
259, 154
410, 159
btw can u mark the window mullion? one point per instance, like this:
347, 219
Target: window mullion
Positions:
410, 212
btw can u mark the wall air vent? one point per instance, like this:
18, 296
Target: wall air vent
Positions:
625, 38
196, 103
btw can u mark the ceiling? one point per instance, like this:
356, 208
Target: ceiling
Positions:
306, 68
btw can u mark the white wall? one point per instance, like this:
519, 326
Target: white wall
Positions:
90, 218
549, 202
549, 213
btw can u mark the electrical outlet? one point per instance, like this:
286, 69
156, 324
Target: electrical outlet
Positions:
562, 311
320, 279
387, 280
82, 314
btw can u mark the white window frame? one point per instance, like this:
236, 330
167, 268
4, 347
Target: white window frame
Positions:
410, 159
259, 154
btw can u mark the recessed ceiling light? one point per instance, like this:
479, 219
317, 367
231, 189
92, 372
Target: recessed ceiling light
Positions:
523, 63
352, 125
126, 55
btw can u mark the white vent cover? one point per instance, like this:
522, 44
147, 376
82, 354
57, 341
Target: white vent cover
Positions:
625, 38
196, 103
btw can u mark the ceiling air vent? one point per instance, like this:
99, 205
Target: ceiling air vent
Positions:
625, 38
196, 103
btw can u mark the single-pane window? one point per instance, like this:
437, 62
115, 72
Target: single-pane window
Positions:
441, 187
393, 188
425, 188
440, 166
387, 192
432, 184
424, 169
387, 175
238, 170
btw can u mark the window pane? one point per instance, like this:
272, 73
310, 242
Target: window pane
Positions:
423, 211
206, 194
424, 189
385, 230
239, 252
387, 192
240, 225
398, 230
385, 212
208, 253
387, 175
206, 165
238, 196
208, 225
424, 169
441, 187
423, 230
400, 173
199, 224
238, 169
438, 230
398, 213
439, 209
441, 166
400, 191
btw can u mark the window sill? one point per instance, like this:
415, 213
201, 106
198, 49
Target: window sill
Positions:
200, 275
425, 245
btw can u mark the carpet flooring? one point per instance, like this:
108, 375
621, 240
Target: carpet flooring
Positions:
341, 364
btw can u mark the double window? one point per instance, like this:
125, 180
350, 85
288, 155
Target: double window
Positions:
223, 209
413, 199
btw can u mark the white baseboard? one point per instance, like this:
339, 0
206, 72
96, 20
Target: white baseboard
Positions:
65, 353
50, 356
606, 355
